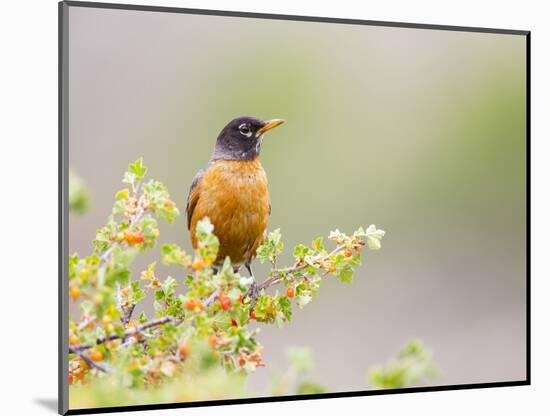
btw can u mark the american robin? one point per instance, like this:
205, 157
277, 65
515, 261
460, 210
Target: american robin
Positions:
232, 191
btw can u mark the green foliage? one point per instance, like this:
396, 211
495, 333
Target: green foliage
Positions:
412, 366
294, 379
271, 247
202, 316
79, 199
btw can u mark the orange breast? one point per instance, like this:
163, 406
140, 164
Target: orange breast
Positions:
234, 196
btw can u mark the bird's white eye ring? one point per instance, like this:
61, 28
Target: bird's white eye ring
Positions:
244, 130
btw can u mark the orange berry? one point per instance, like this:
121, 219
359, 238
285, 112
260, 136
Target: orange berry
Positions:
197, 265
225, 303
83, 365
348, 252
183, 347
71, 379
134, 238
252, 314
84, 273
95, 355
290, 292
194, 305
213, 340
75, 292
169, 204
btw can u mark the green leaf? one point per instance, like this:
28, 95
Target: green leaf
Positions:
142, 318
169, 286
345, 274
271, 247
285, 307
373, 243
301, 359
317, 244
173, 254
300, 251
138, 169
79, 199
373, 237
123, 194
413, 364
310, 387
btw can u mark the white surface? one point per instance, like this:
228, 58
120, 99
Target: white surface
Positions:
28, 94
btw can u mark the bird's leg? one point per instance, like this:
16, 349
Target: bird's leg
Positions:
253, 291
249, 269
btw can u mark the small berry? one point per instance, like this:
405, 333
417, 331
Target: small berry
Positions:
197, 265
348, 252
84, 273
183, 347
169, 204
134, 238
194, 305
225, 303
290, 292
83, 365
98, 298
75, 292
73, 340
95, 355
252, 314
213, 340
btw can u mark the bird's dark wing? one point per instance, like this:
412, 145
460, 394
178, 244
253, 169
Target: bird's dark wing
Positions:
193, 196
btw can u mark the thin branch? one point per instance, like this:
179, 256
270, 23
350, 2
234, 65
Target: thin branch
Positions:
278, 274
128, 314
212, 297
85, 323
92, 364
140, 211
128, 333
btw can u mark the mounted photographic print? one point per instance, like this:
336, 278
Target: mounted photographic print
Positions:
264, 207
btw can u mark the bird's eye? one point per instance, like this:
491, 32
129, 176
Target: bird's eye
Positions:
245, 130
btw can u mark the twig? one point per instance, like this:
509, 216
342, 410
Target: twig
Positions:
85, 323
128, 333
278, 274
210, 299
127, 314
88, 360
136, 217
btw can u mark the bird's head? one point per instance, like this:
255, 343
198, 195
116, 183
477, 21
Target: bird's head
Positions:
241, 138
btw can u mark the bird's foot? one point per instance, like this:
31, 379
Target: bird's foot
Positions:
253, 293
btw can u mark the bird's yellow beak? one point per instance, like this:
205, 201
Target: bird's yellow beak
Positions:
269, 124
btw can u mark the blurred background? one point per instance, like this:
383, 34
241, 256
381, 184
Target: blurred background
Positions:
421, 132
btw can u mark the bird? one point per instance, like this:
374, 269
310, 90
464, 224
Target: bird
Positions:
232, 191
